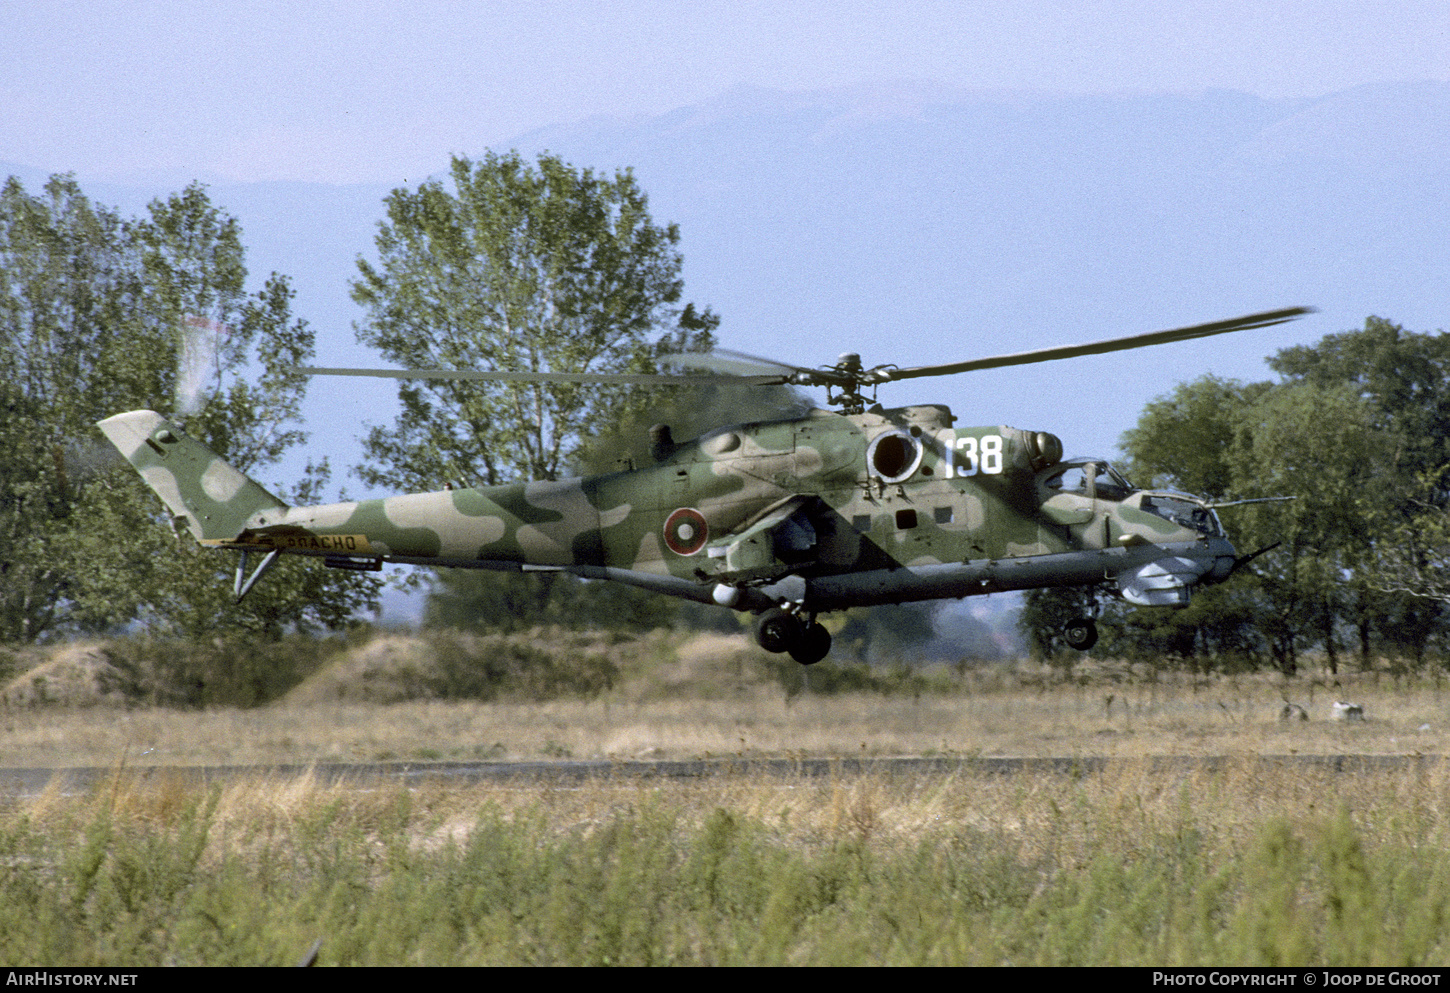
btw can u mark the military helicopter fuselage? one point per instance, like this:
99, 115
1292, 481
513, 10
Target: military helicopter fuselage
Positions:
785, 519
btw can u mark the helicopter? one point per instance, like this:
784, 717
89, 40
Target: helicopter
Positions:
787, 520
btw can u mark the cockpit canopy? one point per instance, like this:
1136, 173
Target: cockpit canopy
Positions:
1089, 476
1098, 479
1184, 510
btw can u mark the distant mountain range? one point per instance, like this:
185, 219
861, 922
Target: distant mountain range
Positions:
917, 225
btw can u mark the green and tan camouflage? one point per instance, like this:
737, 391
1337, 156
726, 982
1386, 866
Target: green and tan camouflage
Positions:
785, 519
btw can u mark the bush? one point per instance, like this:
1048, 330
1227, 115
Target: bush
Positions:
221, 672
484, 668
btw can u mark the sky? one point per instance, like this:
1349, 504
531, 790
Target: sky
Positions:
382, 91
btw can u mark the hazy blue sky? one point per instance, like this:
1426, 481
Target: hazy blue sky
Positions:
384, 91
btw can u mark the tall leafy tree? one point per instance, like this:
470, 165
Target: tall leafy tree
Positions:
1183, 439
1231, 441
1358, 431
1318, 444
1404, 379
533, 267
100, 314
34, 503
1402, 375
518, 267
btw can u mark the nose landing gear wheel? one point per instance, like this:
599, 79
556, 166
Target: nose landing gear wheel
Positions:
1081, 633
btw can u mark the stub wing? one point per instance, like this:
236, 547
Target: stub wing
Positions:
781, 541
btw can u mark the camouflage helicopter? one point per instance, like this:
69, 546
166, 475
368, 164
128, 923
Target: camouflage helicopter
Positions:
784, 519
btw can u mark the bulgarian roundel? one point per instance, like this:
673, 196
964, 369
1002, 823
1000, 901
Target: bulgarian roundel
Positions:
686, 531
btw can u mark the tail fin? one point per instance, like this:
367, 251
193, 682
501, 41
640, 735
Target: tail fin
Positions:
216, 501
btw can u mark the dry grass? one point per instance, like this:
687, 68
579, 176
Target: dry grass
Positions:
1045, 813
1134, 862
1128, 865
710, 702
1044, 818
77, 674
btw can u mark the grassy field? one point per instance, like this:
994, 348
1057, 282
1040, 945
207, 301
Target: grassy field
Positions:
1251, 863
1016, 723
713, 695
1246, 865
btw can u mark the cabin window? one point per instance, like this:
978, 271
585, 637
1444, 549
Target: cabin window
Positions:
1111, 484
1074, 480
943, 515
905, 519
1108, 483
861, 522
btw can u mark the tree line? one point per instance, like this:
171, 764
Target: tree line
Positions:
101, 314
509, 266
512, 265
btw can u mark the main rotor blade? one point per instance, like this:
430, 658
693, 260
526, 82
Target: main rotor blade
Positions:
1266, 319
605, 378
731, 363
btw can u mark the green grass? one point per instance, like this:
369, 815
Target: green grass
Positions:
1122, 868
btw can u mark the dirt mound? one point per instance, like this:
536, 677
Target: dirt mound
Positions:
385, 670
708, 655
77, 675
708, 664
537, 665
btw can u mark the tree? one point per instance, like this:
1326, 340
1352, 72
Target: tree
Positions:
1358, 431
1182, 440
33, 493
1404, 378
1229, 441
96, 314
1319, 444
520, 268
1415, 560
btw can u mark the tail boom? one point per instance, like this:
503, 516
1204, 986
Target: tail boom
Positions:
520, 525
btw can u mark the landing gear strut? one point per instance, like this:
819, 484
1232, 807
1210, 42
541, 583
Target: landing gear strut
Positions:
1081, 633
778, 631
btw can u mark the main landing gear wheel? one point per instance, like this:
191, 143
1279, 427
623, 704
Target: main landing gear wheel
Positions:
814, 644
778, 631
1081, 633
